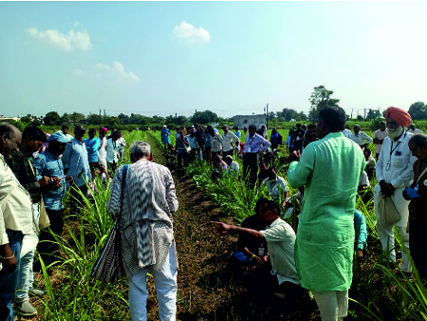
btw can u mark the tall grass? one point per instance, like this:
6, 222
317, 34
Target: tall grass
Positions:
72, 294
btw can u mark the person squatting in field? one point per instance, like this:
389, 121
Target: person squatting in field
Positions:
146, 227
324, 261
394, 172
280, 239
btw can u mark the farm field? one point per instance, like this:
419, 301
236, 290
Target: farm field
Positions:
208, 288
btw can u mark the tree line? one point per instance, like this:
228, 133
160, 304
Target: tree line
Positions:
320, 98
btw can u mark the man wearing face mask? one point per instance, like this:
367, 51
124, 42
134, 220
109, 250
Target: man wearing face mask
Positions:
394, 171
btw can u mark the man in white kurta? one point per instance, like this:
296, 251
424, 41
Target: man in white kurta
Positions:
146, 227
394, 172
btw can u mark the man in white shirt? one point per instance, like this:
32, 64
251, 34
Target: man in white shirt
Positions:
232, 165
280, 238
394, 172
228, 139
255, 143
16, 220
216, 144
112, 149
277, 187
379, 136
360, 138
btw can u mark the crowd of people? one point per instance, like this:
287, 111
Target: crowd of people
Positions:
328, 165
36, 170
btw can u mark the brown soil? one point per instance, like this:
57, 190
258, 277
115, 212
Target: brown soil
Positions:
208, 287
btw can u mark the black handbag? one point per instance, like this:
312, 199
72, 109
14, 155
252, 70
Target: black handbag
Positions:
108, 267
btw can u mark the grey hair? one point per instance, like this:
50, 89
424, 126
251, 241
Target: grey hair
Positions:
140, 149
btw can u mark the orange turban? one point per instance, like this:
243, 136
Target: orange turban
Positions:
400, 115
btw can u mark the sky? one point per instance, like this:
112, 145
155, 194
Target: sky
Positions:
162, 58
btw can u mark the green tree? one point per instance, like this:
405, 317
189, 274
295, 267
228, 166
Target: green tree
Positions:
65, 119
373, 114
204, 117
76, 118
27, 119
319, 99
94, 119
124, 119
418, 110
52, 118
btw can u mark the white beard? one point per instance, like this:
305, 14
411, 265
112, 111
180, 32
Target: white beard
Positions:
394, 133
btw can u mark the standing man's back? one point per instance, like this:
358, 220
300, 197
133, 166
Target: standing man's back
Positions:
330, 170
146, 227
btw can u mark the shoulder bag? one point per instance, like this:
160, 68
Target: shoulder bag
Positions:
108, 267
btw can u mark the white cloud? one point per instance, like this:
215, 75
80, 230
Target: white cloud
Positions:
191, 34
73, 40
115, 71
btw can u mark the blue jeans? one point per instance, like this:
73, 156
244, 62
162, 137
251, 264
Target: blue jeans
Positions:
26, 276
8, 279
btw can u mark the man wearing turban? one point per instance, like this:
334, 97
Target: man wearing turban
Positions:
394, 172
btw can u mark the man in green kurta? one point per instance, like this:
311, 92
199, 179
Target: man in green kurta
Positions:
329, 169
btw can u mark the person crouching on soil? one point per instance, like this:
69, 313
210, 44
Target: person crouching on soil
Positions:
280, 238
251, 259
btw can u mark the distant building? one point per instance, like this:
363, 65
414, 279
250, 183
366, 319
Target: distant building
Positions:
2, 119
242, 121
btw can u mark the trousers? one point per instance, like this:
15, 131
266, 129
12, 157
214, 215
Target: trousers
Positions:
166, 290
8, 279
333, 305
386, 233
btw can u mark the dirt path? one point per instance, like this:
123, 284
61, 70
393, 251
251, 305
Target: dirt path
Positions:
208, 289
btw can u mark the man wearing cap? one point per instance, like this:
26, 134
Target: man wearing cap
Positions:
76, 165
49, 166
394, 172
15, 221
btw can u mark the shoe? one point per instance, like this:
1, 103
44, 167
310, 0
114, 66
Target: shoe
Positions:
37, 292
25, 309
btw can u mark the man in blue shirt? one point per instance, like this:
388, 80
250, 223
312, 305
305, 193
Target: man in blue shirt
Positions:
255, 143
92, 145
49, 165
76, 165
166, 137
